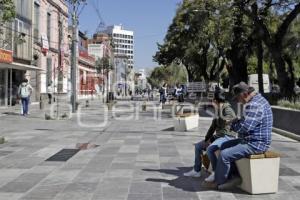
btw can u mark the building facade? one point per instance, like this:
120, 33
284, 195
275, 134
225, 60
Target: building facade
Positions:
37, 41
16, 55
88, 77
123, 43
51, 46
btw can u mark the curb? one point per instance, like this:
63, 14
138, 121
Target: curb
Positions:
286, 134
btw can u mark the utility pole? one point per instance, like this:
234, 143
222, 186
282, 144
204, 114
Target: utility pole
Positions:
74, 59
75, 4
126, 70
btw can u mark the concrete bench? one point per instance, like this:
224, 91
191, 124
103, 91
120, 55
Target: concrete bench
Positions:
259, 173
186, 121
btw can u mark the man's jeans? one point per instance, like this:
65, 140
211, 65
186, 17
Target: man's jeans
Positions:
213, 147
199, 147
25, 102
231, 151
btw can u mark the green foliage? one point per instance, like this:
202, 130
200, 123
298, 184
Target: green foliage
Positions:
103, 64
172, 75
7, 10
199, 29
203, 31
288, 104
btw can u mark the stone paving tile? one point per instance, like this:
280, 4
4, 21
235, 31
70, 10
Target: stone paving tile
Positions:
60, 177
145, 188
172, 193
144, 196
23, 183
77, 191
44, 192
10, 196
112, 188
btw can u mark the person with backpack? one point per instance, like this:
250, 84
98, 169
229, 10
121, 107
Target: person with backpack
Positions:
50, 93
163, 93
24, 92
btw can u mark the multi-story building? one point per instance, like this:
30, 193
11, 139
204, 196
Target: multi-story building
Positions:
100, 47
37, 49
123, 42
16, 55
88, 78
51, 45
141, 79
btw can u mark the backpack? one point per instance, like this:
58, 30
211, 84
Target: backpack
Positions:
161, 90
24, 91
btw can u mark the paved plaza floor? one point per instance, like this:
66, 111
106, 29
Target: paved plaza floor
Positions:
139, 157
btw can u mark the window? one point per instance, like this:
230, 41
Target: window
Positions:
23, 8
36, 23
49, 27
22, 43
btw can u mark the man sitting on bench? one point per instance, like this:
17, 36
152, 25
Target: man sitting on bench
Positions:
254, 130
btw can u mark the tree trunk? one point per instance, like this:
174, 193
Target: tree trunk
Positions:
289, 62
259, 55
284, 81
238, 72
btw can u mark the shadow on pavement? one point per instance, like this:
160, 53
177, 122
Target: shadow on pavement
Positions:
169, 129
184, 183
12, 113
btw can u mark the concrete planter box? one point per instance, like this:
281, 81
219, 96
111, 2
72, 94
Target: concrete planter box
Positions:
186, 122
259, 176
285, 119
168, 107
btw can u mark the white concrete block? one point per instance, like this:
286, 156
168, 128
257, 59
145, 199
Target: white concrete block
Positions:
186, 123
259, 176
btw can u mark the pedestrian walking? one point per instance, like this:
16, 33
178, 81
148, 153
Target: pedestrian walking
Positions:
24, 92
50, 93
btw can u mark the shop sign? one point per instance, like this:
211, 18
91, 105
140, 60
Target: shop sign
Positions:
6, 56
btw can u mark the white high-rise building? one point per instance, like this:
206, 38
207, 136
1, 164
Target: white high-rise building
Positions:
123, 41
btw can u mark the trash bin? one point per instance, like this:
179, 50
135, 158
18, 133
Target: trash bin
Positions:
111, 96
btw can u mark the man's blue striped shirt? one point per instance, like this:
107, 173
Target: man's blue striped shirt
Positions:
255, 127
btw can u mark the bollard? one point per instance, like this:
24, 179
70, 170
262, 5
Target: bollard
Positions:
41, 103
87, 103
144, 106
2, 140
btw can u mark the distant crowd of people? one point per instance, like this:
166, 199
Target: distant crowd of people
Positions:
177, 92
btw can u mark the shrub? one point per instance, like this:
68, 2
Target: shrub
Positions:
288, 104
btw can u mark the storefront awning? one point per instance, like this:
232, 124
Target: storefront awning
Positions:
87, 69
19, 66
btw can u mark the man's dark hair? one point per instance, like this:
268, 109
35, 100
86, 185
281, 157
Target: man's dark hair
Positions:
219, 95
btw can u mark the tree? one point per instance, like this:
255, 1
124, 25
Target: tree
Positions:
7, 13
194, 37
274, 40
7, 10
172, 75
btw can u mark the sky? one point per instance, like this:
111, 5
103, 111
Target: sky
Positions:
149, 19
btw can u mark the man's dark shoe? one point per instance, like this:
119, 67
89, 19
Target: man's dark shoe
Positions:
230, 184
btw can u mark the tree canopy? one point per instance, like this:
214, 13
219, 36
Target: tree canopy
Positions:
218, 38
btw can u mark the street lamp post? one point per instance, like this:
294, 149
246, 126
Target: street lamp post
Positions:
218, 47
125, 62
74, 60
75, 4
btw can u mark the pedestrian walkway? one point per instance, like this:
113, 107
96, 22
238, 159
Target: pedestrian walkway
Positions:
140, 159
